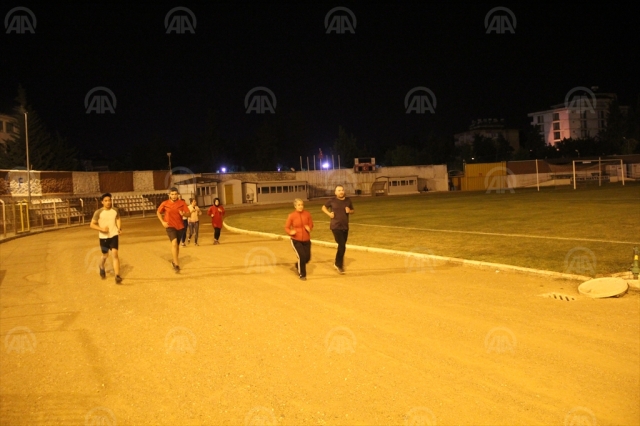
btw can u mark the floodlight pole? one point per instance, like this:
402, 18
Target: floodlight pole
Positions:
537, 177
26, 138
599, 173
574, 174
622, 171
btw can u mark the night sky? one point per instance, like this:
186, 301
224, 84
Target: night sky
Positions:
164, 83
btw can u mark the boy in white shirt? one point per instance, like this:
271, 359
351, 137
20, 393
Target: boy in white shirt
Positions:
108, 224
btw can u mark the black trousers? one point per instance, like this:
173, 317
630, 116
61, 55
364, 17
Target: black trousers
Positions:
340, 235
303, 251
216, 233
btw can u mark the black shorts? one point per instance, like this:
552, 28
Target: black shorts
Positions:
107, 244
175, 234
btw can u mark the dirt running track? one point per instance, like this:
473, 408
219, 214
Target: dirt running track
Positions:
238, 339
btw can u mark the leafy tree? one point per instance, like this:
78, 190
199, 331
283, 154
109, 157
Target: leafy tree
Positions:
346, 147
46, 152
612, 136
402, 155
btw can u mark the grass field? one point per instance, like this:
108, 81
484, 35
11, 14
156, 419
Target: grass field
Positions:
590, 231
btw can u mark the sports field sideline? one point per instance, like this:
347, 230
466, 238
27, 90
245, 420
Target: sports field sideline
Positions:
590, 231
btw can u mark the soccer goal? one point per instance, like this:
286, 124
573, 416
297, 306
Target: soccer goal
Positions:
595, 172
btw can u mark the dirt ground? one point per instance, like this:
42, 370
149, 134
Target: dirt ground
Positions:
238, 339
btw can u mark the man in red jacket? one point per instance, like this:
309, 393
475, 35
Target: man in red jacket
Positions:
298, 226
174, 210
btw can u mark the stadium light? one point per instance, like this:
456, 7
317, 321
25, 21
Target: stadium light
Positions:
26, 138
325, 165
224, 170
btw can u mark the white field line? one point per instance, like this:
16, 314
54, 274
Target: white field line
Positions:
480, 233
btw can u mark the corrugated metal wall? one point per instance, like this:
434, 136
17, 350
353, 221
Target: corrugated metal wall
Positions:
116, 181
160, 180
485, 175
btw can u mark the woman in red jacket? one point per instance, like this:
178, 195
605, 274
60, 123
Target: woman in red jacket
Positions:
298, 226
216, 211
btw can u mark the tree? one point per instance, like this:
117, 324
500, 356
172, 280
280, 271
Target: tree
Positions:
345, 146
402, 155
46, 152
612, 136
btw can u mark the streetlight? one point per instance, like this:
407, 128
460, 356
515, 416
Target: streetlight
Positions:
170, 170
26, 138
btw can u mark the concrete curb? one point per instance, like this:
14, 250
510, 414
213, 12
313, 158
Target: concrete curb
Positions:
474, 263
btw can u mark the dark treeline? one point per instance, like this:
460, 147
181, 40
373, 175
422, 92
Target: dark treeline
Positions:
280, 139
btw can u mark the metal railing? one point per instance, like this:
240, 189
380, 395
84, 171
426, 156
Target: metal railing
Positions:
20, 217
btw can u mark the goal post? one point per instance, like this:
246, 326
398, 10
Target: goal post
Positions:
590, 171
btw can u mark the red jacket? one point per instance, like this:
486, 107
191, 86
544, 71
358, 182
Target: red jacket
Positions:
216, 220
297, 221
172, 215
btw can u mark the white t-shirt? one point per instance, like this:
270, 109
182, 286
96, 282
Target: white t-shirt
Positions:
195, 212
107, 218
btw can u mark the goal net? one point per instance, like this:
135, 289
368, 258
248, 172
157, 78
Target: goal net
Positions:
596, 172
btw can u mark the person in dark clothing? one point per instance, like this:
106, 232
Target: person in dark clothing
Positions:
338, 209
299, 226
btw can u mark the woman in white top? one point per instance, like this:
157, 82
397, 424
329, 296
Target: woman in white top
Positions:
194, 221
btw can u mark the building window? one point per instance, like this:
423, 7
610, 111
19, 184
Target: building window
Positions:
556, 126
9, 127
584, 133
540, 119
556, 136
1, 126
556, 116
